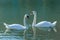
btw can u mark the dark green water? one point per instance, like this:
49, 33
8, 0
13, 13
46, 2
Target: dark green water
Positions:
12, 11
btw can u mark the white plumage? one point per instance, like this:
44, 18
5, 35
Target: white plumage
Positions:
18, 26
43, 24
15, 26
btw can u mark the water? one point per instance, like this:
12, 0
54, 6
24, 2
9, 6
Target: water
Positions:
12, 11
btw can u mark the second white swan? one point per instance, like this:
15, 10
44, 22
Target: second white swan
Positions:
43, 24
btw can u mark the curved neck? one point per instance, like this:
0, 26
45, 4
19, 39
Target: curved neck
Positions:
34, 19
25, 22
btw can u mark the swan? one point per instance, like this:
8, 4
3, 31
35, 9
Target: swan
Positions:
18, 26
43, 24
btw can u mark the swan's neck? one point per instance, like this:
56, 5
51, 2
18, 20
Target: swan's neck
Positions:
34, 20
25, 23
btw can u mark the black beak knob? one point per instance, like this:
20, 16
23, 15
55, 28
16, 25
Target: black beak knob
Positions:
27, 16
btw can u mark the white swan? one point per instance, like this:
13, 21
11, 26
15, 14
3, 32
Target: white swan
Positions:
18, 26
43, 24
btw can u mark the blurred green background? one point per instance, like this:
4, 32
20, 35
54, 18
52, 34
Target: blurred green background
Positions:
12, 11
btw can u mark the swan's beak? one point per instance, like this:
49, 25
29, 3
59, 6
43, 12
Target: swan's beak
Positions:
31, 13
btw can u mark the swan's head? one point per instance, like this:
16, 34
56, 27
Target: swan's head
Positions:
26, 16
33, 13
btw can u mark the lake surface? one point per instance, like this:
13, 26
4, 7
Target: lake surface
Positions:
13, 11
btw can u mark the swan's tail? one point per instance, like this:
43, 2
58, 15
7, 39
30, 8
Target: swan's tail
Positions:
53, 26
6, 25
54, 23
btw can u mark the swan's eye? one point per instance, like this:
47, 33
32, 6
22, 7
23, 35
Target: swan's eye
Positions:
27, 16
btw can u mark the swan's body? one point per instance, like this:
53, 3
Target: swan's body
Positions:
15, 26
44, 24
